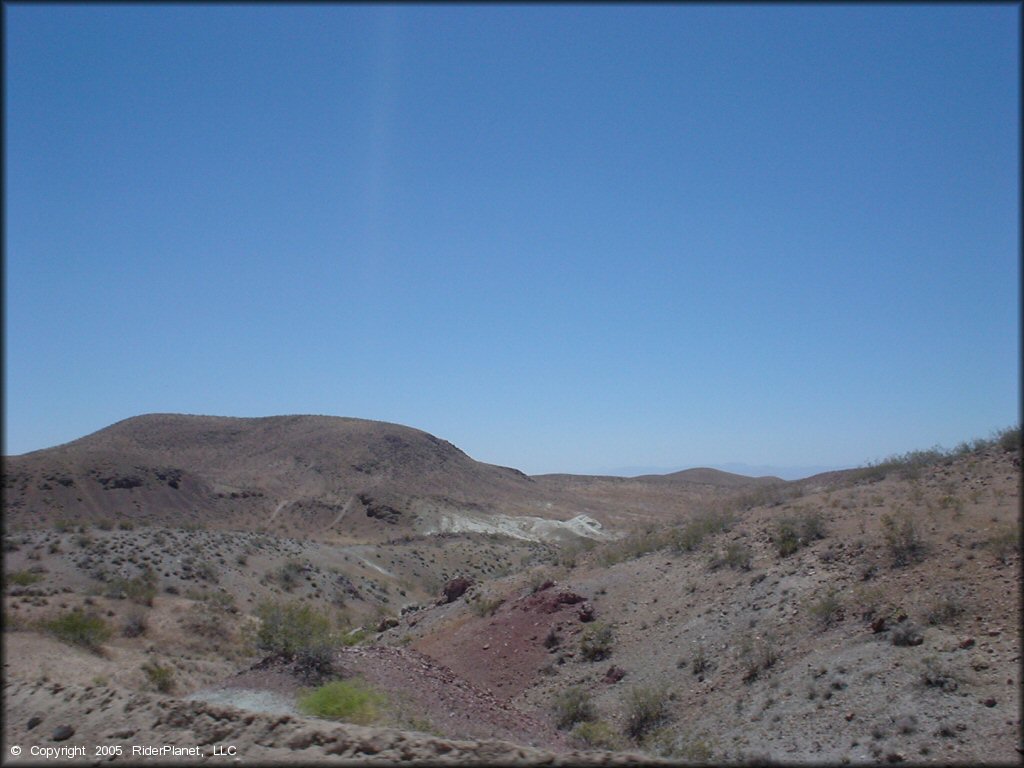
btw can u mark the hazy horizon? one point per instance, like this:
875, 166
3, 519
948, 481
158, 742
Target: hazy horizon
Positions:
560, 237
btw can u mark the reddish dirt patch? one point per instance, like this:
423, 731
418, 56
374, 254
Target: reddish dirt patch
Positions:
504, 653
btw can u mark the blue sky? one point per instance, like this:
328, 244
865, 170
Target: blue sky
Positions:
566, 238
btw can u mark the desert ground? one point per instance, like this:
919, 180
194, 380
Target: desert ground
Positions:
193, 582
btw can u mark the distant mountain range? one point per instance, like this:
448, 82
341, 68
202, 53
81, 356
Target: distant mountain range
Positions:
750, 470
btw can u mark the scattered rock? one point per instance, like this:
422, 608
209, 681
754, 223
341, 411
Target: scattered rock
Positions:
62, 733
586, 612
455, 589
614, 674
33, 722
878, 625
990, 702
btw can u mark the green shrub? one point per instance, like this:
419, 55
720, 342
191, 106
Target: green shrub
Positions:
902, 539
736, 555
646, 708
22, 578
690, 535
160, 677
140, 589
757, 655
572, 706
485, 606
596, 642
1010, 439
298, 632
351, 701
287, 576
597, 735
1004, 543
786, 538
947, 607
79, 628
792, 533
827, 610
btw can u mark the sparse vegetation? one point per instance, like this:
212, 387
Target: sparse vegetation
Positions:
936, 675
134, 624
351, 701
757, 655
573, 706
159, 676
947, 607
906, 633
736, 556
596, 642
597, 735
826, 610
792, 533
79, 628
646, 708
297, 631
22, 578
902, 539
1004, 543
485, 606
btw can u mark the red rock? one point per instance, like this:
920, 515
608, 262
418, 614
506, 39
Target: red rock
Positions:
968, 643
455, 589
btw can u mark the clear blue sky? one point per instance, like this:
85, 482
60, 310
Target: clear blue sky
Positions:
563, 237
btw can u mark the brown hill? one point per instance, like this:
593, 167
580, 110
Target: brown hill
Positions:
314, 475
248, 470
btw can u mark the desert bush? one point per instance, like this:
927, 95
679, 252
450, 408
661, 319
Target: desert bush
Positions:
792, 533
105, 524
160, 677
79, 628
826, 610
935, 675
207, 571
596, 642
126, 525
947, 607
690, 535
902, 539
1009, 439
597, 735
140, 589
1004, 543
64, 526
637, 544
736, 555
907, 633
134, 624
757, 655
22, 578
297, 632
646, 708
572, 706
287, 576
786, 538
485, 606
700, 662
351, 701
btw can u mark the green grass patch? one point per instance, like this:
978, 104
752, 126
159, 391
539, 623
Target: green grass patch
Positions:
79, 628
22, 578
351, 701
